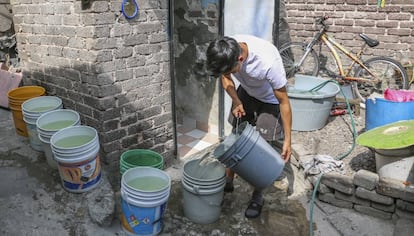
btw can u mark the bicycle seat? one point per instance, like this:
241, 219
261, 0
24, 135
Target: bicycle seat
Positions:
371, 42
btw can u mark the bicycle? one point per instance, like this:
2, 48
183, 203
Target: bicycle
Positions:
373, 75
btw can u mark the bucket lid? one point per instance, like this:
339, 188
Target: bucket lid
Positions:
396, 135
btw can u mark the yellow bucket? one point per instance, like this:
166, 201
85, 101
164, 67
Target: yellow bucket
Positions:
16, 97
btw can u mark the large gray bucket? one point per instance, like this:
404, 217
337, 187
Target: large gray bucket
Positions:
203, 190
250, 156
310, 110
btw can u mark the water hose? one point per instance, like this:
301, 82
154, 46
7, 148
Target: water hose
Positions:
342, 156
130, 8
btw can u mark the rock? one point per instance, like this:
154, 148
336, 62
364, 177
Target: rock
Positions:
101, 203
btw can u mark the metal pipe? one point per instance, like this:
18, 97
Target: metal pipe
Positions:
221, 90
172, 71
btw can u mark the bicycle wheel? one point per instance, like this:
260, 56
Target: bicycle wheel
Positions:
291, 55
390, 73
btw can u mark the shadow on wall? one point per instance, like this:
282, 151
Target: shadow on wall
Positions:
195, 91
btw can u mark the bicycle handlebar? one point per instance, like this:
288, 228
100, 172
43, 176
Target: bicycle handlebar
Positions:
321, 20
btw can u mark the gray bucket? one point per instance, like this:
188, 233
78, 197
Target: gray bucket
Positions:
203, 190
32, 109
251, 157
310, 110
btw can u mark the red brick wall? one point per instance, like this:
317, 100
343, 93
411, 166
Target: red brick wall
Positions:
392, 25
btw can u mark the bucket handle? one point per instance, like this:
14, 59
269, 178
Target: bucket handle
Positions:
234, 160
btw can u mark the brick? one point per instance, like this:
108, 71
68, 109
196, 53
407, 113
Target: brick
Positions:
405, 206
404, 214
366, 179
330, 198
372, 195
339, 182
382, 207
352, 198
395, 188
373, 212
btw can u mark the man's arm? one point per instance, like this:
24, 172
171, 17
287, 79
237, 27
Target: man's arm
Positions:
286, 114
230, 87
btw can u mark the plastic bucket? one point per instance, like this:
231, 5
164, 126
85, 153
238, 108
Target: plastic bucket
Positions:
140, 157
48, 153
51, 122
310, 110
381, 112
203, 190
76, 149
16, 97
32, 109
251, 157
145, 192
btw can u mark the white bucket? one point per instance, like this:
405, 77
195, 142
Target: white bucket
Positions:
48, 153
203, 190
49, 123
76, 149
32, 109
145, 192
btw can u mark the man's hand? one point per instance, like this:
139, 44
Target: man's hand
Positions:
238, 111
286, 151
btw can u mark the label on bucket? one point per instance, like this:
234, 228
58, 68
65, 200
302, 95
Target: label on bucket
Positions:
78, 177
142, 220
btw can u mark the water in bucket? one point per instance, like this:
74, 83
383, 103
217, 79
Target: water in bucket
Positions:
145, 192
203, 189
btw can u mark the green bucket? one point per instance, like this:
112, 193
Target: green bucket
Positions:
140, 157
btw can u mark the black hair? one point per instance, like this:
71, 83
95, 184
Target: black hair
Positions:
222, 55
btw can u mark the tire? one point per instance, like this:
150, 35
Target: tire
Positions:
291, 54
390, 72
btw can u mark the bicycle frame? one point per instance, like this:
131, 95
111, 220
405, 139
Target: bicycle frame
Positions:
332, 45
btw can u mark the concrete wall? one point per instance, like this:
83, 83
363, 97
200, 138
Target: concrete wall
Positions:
114, 72
195, 25
392, 25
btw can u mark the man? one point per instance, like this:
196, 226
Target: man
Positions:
261, 99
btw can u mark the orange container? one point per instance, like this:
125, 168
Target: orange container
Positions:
16, 97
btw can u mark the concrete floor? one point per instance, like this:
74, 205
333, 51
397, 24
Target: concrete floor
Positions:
33, 202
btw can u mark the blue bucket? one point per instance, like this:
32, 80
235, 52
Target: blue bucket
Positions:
251, 157
145, 192
381, 112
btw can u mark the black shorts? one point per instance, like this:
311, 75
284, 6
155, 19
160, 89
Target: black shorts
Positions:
265, 116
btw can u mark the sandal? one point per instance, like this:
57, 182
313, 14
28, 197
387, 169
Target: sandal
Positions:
254, 209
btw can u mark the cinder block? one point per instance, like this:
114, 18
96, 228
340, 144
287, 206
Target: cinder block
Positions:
373, 196
382, 207
405, 206
373, 212
366, 179
342, 183
330, 198
395, 188
352, 198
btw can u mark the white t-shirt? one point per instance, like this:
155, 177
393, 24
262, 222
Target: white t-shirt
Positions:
262, 71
